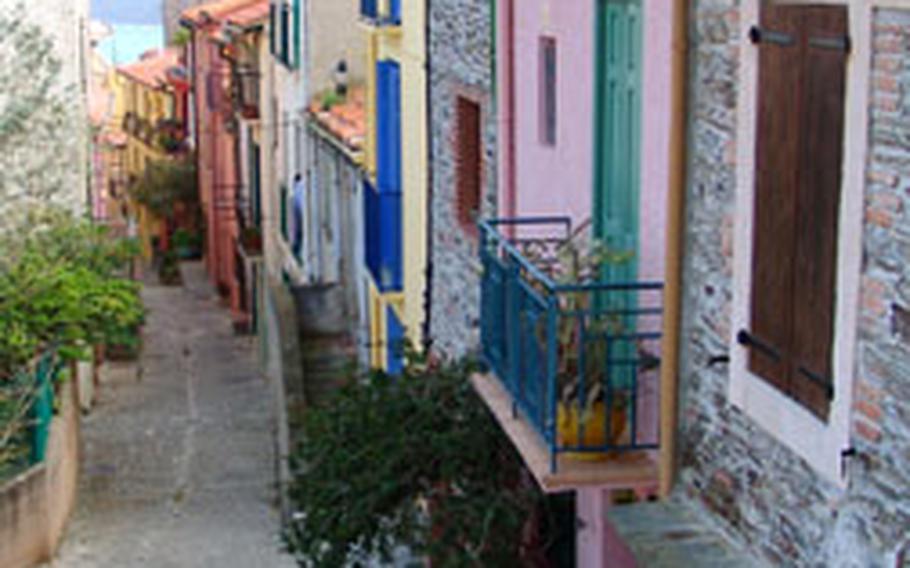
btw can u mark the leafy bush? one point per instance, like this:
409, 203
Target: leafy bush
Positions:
169, 269
61, 285
164, 183
414, 461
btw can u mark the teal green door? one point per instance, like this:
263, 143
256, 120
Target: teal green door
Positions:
618, 132
617, 175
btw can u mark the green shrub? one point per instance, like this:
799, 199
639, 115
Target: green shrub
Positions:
414, 461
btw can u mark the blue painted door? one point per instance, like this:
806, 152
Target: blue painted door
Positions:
388, 175
388, 126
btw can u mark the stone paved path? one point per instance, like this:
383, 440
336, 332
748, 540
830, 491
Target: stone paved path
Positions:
178, 455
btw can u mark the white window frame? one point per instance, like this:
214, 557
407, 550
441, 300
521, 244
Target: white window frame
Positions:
819, 443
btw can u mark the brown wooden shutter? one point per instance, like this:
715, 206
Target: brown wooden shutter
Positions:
777, 159
815, 269
468, 161
802, 78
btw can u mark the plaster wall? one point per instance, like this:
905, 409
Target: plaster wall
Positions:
35, 506
551, 180
334, 34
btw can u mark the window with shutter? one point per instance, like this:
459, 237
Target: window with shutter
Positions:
548, 91
802, 83
285, 36
272, 28
295, 59
468, 161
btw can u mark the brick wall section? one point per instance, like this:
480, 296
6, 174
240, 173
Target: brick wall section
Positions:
460, 51
756, 489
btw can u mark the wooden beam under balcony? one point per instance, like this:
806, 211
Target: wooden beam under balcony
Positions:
626, 470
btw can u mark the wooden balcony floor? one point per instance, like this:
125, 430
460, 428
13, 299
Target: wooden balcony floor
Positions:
627, 470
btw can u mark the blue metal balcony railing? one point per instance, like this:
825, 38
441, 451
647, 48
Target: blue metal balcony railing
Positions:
578, 356
382, 214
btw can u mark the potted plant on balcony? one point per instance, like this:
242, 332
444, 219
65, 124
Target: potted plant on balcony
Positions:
588, 413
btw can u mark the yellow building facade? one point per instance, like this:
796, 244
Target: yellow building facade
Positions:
144, 99
396, 32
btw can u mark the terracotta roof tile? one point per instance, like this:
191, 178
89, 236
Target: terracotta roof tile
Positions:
152, 69
239, 12
346, 120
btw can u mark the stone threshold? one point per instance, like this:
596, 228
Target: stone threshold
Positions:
670, 534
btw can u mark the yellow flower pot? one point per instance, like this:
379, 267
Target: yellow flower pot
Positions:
569, 418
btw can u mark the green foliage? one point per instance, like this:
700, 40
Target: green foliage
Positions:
60, 286
165, 183
330, 99
169, 269
181, 37
414, 460
41, 131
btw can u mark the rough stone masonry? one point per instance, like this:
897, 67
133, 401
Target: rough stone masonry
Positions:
756, 489
460, 53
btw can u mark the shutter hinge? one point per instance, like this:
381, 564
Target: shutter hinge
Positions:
746, 339
846, 454
758, 35
835, 43
824, 383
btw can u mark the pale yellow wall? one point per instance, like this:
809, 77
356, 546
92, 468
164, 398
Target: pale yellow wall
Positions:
334, 34
152, 105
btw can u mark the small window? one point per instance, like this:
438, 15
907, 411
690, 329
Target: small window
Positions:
468, 146
548, 91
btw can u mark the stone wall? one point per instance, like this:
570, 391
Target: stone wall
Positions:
879, 502
36, 505
743, 479
460, 65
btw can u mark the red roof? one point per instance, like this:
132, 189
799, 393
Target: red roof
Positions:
345, 120
152, 69
238, 12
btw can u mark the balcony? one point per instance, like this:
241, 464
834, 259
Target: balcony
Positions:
574, 360
381, 13
382, 214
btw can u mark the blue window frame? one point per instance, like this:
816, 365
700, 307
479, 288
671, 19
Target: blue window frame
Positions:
395, 338
395, 12
369, 9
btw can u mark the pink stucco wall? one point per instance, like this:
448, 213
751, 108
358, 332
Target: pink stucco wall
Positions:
556, 179
217, 166
655, 163
559, 180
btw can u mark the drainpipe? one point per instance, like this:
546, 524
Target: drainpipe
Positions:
428, 286
675, 237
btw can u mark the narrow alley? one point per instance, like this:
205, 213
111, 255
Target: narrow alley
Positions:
178, 455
